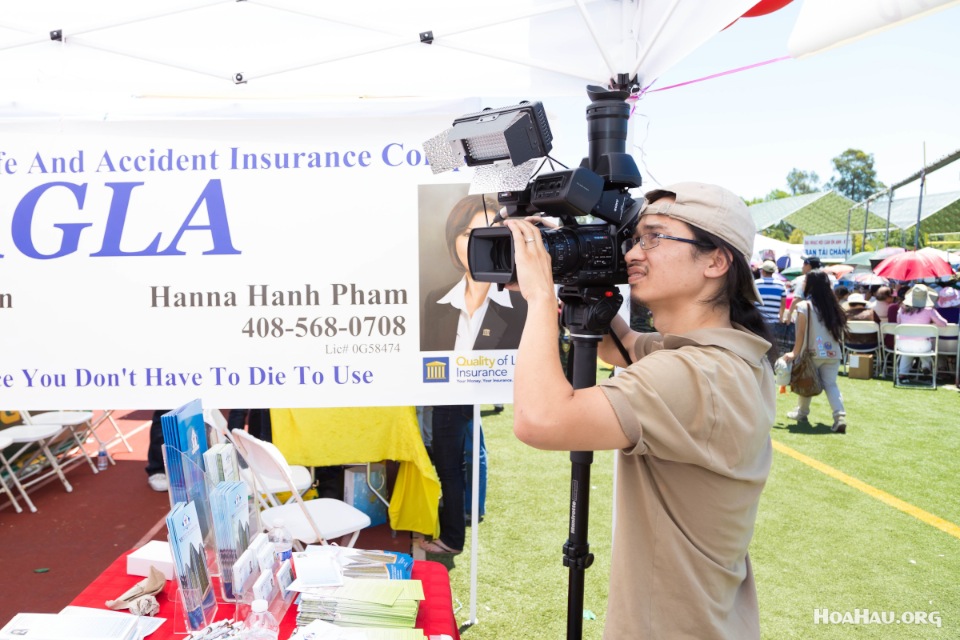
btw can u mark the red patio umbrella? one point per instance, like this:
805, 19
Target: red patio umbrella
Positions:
913, 265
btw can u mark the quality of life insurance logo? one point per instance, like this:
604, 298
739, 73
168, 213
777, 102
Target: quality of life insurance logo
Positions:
436, 369
473, 368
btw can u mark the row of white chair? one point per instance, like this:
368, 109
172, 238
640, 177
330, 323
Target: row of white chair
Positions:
50, 443
945, 351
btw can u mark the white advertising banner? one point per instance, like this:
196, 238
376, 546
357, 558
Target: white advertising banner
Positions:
831, 246
281, 263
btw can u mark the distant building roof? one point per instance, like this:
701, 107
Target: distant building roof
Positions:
812, 213
767, 214
940, 212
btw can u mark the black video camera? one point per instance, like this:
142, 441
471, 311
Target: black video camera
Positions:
583, 255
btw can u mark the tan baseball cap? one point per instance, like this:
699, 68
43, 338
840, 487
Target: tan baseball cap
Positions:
711, 208
768, 266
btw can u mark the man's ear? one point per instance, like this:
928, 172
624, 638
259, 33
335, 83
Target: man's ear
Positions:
719, 263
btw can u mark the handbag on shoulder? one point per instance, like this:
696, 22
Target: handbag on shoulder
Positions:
804, 377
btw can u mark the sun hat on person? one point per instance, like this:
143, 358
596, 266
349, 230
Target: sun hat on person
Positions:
768, 266
856, 298
920, 296
949, 297
711, 208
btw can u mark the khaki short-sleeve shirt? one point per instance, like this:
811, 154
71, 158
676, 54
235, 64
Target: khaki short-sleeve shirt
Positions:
698, 408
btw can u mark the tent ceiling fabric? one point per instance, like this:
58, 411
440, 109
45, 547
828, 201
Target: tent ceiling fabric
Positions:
824, 24
115, 60
299, 49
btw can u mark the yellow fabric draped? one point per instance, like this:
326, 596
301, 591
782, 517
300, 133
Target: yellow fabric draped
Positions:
327, 437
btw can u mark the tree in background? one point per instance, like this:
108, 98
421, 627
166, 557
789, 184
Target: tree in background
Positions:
896, 238
775, 194
855, 176
775, 233
800, 182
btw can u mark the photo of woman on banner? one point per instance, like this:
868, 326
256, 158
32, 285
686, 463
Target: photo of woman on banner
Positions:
465, 314
459, 314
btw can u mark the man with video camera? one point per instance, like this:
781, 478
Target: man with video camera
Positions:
690, 414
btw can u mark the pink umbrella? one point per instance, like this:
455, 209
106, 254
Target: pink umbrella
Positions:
886, 252
866, 278
913, 265
839, 269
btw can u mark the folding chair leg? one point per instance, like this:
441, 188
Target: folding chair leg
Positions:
16, 482
108, 417
56, 467
353, 539
105, 446
83, 452
13, 500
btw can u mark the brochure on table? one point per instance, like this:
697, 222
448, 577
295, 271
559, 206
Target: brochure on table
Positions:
185, 443
230, 508
193, 578
188, 483
88, 625
215, 527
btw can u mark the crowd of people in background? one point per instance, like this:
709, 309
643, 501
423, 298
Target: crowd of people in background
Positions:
786, 306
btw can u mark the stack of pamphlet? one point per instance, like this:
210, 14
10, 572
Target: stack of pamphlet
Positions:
190, 564
354, 563
320, 630
391, 604
231, 525
185, 439
221, 463
359, 563
65, 626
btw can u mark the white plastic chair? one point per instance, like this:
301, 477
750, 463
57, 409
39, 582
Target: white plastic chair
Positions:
80, 425
36, 454
6, 441
886, 353
863, 327
268, 488
107, 416
309, 521
907, 349
217, 427
948, 349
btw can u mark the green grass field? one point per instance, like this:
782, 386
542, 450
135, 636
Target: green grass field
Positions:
821, 547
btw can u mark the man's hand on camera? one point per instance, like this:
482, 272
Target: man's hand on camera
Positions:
534, 273
543, 221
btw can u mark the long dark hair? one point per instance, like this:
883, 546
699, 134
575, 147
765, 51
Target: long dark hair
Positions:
737, 290
816, 288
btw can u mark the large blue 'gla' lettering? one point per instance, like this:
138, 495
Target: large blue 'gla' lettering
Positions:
22, 230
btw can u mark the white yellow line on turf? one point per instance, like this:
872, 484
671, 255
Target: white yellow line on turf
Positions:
918, 513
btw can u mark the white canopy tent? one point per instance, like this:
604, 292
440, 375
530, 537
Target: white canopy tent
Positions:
216, 58
779, 248
107, 60
221, 58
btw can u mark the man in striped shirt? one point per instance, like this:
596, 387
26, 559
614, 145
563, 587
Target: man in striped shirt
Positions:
774, 294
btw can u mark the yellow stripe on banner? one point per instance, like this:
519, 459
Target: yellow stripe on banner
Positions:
918, 513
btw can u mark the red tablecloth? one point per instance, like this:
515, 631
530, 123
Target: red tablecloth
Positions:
435, 616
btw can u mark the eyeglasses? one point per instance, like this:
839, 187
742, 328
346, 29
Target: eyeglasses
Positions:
649, 241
